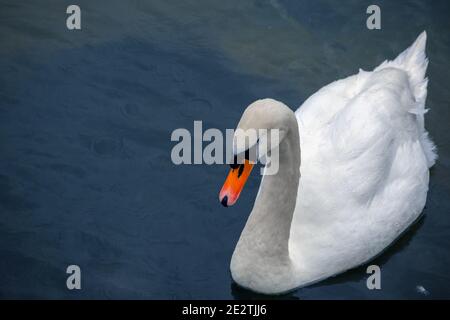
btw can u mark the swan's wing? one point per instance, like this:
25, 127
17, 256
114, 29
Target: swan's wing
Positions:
320, 108
364, 169
366, 137
410, 67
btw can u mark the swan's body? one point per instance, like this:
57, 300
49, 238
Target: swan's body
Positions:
360, 179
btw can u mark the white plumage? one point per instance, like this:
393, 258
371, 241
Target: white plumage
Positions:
364, 173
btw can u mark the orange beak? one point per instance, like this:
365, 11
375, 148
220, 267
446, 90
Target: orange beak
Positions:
235, 183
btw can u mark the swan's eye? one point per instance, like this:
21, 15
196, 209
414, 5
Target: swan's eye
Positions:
247, 154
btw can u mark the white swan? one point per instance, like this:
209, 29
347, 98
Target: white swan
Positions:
363, 178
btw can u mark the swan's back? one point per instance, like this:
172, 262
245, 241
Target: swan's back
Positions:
365, 156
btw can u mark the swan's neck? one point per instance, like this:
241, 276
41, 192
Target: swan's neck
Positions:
263, 248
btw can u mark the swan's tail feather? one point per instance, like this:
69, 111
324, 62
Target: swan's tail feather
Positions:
429, 148
415, 62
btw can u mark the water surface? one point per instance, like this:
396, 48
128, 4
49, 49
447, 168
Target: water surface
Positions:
85, 123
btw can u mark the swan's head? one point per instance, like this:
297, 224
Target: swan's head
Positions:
263, 126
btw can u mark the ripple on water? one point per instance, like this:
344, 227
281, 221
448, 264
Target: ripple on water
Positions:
197, 108
420, 289
130, 110
107, 146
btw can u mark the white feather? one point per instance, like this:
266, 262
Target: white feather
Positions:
364, 165
364, 173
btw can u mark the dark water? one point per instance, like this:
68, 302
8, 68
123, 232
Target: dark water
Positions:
85, 123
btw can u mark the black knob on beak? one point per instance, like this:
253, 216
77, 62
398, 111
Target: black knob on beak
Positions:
234, 164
